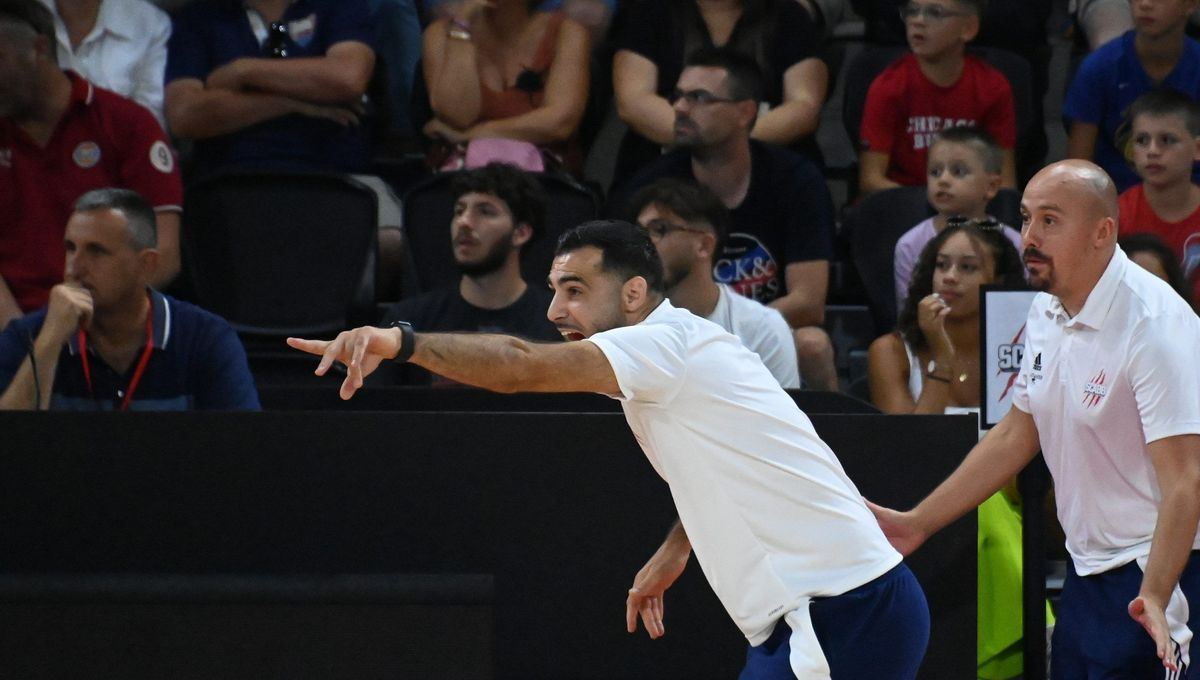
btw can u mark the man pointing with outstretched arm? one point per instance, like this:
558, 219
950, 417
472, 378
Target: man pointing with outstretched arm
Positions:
1109, 390
782, 534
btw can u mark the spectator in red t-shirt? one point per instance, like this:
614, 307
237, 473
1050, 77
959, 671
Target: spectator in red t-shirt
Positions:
1166, 142
60, 137
937, 86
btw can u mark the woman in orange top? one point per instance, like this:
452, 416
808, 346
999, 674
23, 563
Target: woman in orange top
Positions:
500, 69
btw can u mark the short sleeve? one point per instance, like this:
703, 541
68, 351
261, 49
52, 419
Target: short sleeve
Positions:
1084, 102
1000, 118
774, 345
649, 360
188, 55
903, 260
641, 29
148, 162
1165, 377
223, 372
877, 132
14, 346
349, 20
795, 37
810, 208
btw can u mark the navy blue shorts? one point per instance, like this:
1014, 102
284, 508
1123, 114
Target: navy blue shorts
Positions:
887, 616
1096, 639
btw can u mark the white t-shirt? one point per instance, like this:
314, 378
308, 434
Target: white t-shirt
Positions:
1100, 386
770, 513
762, 329
126, 51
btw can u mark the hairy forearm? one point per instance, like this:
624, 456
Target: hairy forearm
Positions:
25, 393
787, 123
1004, 452
321, 80
799, 310
1174, 533
499, 363
677, 543
211, 113
649, 115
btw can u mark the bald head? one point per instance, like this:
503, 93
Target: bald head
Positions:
1083, 181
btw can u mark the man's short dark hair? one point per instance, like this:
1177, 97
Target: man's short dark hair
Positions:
139, 216
32, 14
519, 190
626, 250
984, 144
745, 75
1165, 101
689, 200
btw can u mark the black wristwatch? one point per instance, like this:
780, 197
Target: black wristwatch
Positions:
408, 341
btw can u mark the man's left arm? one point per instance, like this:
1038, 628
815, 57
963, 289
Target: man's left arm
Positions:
338, 77
499, 363
1176, 463
804, 303
223, 378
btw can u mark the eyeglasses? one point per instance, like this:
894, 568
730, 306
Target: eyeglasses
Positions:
658, 229
699, 98
931, 12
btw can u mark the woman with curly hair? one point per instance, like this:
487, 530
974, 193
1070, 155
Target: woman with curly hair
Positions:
931, 360
930, 364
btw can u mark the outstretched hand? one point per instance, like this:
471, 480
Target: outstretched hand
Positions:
361, 350
1152, 617
900, 528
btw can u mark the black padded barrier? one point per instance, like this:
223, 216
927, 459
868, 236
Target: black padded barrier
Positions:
558, 509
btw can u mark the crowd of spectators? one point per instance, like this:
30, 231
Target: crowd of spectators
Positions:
720, 97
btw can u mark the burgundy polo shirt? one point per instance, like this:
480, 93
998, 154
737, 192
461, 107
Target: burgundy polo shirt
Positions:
102, 140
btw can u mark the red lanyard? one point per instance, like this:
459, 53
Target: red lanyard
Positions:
137, 372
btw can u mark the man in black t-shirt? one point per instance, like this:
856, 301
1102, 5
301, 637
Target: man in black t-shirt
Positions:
781, 241
497, 210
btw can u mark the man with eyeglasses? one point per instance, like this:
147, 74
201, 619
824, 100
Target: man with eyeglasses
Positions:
687, 225
781, 236
936, 86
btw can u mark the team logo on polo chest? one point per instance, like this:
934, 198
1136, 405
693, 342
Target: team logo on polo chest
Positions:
86, 155
1095, 390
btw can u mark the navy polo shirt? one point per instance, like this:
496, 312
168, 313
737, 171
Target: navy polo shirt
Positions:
208, 34
197, 363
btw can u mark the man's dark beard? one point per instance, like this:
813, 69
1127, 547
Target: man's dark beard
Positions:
492, 260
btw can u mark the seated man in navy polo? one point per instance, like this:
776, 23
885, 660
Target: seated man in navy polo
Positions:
107, 341
278, 85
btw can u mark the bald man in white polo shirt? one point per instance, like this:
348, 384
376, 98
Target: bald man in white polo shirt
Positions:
1110, 392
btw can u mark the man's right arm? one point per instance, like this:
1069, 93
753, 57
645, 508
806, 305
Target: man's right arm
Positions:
1004, 452
196, 112
69, 306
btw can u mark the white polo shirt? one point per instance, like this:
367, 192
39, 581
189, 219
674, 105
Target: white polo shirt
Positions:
771, 515
762, 329
1123, 372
